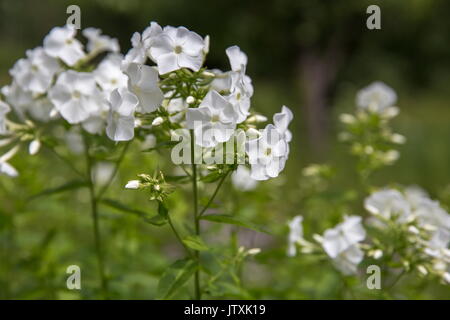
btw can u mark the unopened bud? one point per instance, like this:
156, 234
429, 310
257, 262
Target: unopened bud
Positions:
157, 121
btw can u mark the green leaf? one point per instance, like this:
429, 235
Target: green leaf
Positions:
196, 243
157, 220
72, 185
223, 218
175, 277
162, 210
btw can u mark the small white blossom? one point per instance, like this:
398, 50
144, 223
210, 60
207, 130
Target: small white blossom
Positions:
347, 261
76, 96
376, 97
17, 98
157, 121
61, 43
213, 121
267, 154
242, 180
143, 82
238, 59
35, 73
121, 115
295, 234
141, 44
98, 42
177, 48
109, 75
387, 203
343, 236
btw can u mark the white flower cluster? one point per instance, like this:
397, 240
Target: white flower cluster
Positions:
427, 224
159, 84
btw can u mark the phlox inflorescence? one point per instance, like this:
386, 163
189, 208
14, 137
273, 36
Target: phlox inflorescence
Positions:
158, 87
402, 228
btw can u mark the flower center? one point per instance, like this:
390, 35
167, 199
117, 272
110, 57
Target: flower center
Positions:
34, 68
268, 151
69, 41
76, 94
215, 118
178, 49
113, 81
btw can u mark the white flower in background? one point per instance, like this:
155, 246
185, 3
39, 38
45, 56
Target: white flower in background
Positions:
295, 235
348, 260
61, 43
102, 172
149, 142
95, 124
281, 122
143, 82
109, 75
74, 140
141, 44
5, 167
242, 180
121, 116
267, 154
414, 195
213, 121
430, 212
343, 236
98, 42
76, 96
35, 73
177, 109
221, 81
238, 59
376, 97
388, 203
177, 48
17, 98
4, 109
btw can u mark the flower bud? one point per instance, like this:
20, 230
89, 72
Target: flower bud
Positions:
132, 184
157, 121
190, 100
34, 147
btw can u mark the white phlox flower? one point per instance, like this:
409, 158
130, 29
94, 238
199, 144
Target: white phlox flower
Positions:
267, 154
109, 75
388, 203
35, 73
295, 235
176, 109
143, 82
61, 43
17, 98
343, 236
76, 96
213, 121
121, 115
376, 97
177, 48
141, 44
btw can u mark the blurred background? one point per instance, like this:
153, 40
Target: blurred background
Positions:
312, 56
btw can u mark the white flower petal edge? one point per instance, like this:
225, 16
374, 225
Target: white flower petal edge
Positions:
295, 235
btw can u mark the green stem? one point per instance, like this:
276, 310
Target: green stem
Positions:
95, 220
214, 194
116, 169
177, 235
196, 221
